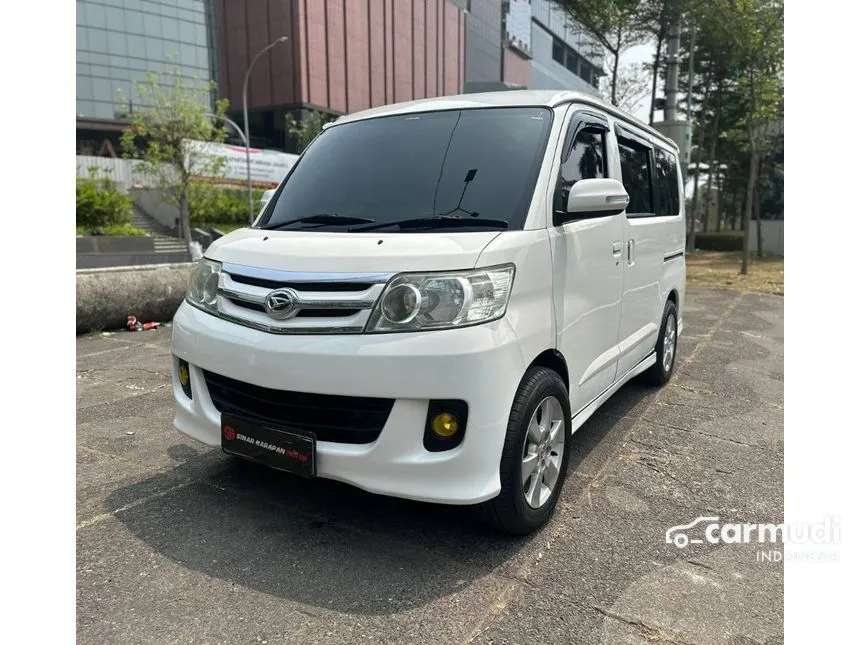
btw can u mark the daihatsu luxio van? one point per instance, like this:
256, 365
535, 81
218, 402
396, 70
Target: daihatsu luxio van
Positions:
437, 296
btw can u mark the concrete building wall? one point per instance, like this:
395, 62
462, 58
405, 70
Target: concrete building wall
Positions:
547, 74
557, 22
549, 23
518, 68
772, 236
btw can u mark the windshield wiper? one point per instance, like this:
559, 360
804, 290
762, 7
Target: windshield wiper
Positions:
321, 218
437, 221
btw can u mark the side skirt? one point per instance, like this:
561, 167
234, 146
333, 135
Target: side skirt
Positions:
583, 415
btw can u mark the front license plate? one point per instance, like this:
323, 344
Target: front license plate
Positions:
283, 448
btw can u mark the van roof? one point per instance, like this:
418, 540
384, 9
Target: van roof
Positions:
506, 98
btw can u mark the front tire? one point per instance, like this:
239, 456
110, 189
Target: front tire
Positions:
534, 457
666, 348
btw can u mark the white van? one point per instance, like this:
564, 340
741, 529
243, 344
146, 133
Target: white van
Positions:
438, 295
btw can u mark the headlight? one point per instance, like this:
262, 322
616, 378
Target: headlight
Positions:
416, 301
203, 285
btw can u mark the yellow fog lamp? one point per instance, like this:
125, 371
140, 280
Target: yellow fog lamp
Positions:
184, 377
445, 425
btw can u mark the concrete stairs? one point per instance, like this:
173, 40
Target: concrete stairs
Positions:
161, 236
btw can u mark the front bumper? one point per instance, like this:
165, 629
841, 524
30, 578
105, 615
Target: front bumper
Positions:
481, 365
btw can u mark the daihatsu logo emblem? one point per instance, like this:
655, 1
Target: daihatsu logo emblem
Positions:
281, 304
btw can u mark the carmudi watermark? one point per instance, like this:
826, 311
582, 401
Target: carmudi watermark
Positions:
709, 530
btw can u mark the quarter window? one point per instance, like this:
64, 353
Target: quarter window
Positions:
668, 198
584, 159
636, 177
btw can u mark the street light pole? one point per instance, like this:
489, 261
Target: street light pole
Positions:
229, 122
244, 140
282, 39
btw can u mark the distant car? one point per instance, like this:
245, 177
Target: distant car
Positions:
265, 198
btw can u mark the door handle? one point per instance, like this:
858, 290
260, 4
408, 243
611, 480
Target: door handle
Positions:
616, 249
630, 250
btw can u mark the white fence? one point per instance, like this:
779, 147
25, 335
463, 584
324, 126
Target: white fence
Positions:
772, 236
119, 170
122, 171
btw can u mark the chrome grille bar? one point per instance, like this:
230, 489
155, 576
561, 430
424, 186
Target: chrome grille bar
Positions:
311, 292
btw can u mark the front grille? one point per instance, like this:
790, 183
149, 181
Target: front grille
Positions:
318, 286
323, 303
340, 419
304, 313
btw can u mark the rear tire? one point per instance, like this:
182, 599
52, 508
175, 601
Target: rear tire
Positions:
666, 349
535, 455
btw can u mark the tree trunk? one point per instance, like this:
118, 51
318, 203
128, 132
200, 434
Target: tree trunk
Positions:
184, 219
713, 158
655, 73
748, 206
739, 209
718, 203
614, 85
694, 207
758, 232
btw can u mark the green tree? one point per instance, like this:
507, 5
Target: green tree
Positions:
657, 16
753, 31
308, 128
617, 25
162, 135
630, 88
98, 202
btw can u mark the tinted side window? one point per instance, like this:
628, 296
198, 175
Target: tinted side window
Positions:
636, 177
584, 159
668, 199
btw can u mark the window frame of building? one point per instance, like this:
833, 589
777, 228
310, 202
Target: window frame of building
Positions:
563, 54
559, 49
572, 61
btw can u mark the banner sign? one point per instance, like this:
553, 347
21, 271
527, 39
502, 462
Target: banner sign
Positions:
268, 167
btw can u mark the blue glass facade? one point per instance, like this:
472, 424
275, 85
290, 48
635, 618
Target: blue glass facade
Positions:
120, 41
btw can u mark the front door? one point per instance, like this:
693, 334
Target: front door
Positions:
587, 257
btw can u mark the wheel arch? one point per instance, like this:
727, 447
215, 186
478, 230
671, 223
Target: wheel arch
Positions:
552, 359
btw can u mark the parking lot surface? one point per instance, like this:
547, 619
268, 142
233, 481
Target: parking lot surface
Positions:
177, 543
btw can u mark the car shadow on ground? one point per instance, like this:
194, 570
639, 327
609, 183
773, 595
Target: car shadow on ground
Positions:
322, 543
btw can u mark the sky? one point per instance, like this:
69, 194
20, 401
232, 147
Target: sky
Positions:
635, 55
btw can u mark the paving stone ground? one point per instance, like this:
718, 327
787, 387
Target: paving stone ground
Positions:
178, 544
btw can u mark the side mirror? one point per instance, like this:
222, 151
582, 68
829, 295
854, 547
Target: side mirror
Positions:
594, 198
265, 198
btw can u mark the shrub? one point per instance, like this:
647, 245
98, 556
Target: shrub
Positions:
723, 241
118, 230
99, 203
209, 204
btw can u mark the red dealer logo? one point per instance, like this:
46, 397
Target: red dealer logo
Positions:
229, 433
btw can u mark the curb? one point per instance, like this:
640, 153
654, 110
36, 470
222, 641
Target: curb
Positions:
106, 297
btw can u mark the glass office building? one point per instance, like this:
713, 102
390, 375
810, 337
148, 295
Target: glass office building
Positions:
120, 41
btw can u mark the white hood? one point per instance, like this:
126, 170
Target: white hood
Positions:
351, 252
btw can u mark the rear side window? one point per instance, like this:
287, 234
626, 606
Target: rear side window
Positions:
636, 177
668, 198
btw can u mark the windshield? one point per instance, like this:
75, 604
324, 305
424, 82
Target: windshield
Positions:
466, 165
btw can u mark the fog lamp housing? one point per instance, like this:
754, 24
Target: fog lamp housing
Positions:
445, 426
183, 373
